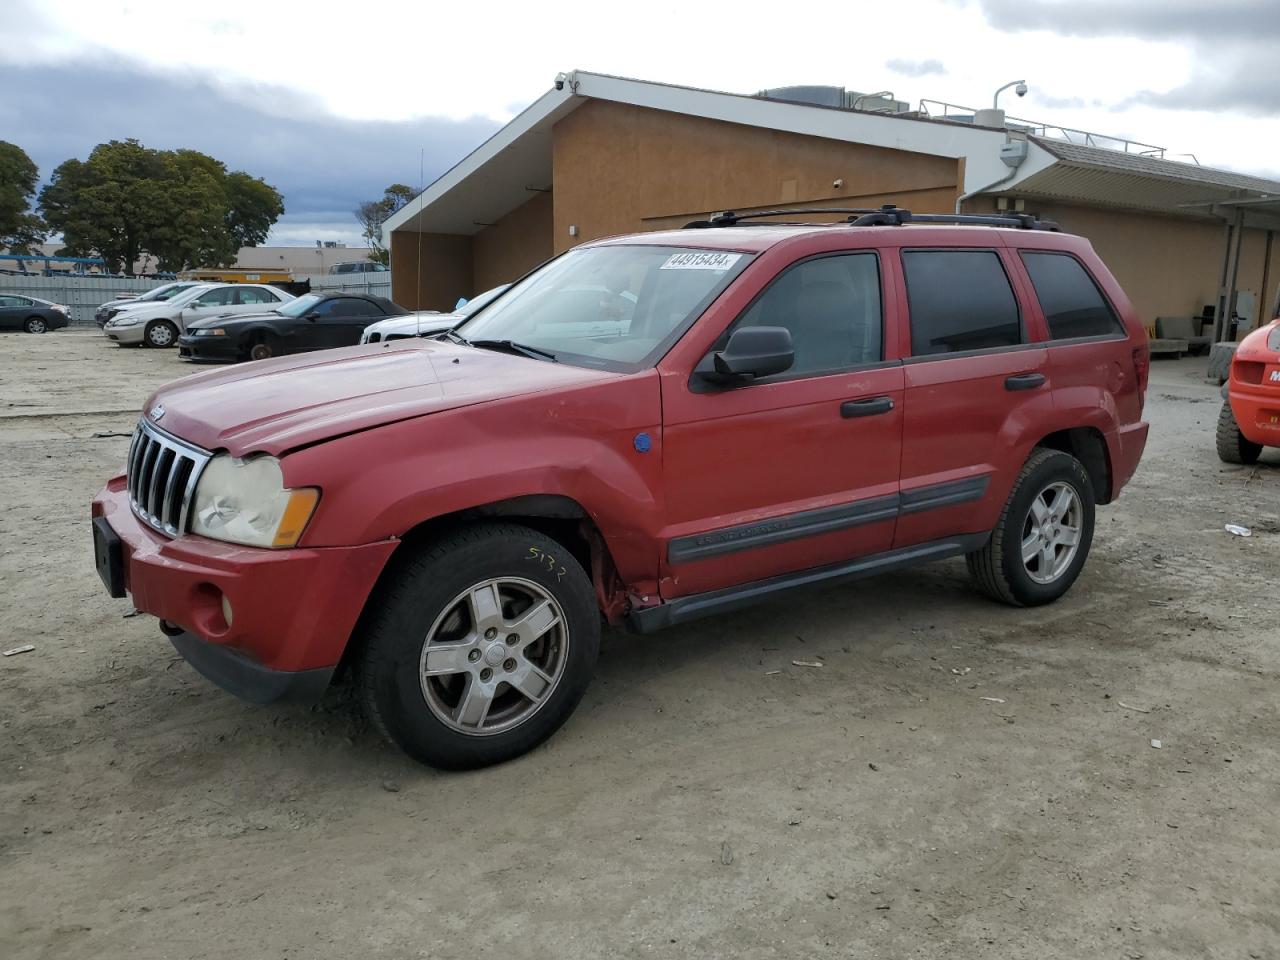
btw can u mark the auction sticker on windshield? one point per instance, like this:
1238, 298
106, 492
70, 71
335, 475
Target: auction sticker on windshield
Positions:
701, 260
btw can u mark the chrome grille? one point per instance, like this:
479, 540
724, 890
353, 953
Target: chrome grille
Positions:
162, 472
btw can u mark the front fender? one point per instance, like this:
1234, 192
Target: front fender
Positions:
580, 444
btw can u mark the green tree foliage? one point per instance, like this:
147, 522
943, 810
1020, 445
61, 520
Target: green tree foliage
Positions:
181, 206
373, 213
20, 229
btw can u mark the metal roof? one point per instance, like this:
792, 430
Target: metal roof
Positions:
1103, 177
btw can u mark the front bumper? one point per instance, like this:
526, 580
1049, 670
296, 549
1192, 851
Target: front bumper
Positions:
292, 610
126, 336
207, 348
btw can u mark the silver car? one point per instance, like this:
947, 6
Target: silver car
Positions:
160, 324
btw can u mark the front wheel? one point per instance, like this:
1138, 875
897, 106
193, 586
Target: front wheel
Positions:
477, 648
263, 349
1233, 447
160, 333
36, 325
1042, 540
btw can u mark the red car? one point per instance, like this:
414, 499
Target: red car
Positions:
644, 430
1250, 417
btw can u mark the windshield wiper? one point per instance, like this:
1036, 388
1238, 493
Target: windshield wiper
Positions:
456, 337
513, 347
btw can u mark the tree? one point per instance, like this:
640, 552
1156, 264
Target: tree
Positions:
19, 228
181, 206
372, 214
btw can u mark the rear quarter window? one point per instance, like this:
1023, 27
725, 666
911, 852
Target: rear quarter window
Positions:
1072, 303
959, 300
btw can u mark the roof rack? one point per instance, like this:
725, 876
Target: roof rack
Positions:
888, 215
891, 216
729, 218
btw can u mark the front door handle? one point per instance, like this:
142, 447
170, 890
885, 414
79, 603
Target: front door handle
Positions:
866, 408
1024, 381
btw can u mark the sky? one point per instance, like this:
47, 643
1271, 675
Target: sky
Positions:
331, 102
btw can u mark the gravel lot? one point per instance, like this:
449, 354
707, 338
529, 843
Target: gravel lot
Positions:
709, 798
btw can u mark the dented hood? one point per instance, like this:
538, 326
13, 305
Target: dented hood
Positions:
272, 406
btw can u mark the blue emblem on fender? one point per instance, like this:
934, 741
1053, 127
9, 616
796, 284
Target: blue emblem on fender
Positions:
643, 443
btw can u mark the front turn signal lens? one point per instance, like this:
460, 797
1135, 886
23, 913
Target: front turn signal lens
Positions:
297, 513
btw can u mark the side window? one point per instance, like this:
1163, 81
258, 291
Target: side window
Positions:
831, 305
249, 295
1072, 303
353, 307
326, 308
218, 298
959, 300
10, 302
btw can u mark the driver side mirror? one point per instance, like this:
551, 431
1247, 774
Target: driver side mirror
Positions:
313, 315
751, 353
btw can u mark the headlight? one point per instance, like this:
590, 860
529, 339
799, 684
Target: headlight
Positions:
126, 320
212, 332
246, 501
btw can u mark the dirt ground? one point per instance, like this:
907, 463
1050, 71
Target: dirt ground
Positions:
709, 798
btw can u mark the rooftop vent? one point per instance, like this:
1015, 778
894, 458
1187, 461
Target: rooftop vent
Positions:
838, 97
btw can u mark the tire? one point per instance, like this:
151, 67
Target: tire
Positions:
263, 349
160, 333
36, 325
999, 569
1233, 447
428, 600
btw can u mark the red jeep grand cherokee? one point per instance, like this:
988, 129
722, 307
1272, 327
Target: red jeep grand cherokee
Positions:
644, 430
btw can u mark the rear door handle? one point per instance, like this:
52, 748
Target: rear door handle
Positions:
869, 407
1024, 381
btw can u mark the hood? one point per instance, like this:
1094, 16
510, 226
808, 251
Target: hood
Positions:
273, 406
430, 323
228, 319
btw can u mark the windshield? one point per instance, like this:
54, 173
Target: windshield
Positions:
616, 307
296, 308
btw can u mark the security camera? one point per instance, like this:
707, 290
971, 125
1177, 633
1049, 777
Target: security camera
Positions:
1020, 89
561, 78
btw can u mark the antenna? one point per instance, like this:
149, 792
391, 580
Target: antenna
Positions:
417, 276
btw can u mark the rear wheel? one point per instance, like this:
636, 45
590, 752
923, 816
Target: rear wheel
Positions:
1233, 447
36, 325
1042, 540
478, 648
160, 333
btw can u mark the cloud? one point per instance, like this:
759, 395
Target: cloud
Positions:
323, 165
1235, 66
916, 68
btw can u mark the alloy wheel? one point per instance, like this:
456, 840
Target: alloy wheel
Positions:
1051, 532
494, 655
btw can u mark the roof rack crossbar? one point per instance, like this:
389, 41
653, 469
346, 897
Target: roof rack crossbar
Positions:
728, 218
891, 216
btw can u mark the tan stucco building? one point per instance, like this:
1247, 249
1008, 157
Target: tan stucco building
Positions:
603, 155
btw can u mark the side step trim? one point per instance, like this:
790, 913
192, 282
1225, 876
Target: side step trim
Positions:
683, 609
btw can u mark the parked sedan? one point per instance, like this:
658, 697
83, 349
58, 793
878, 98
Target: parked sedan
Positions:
159, 324
157, 295
31, 314
316, 321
